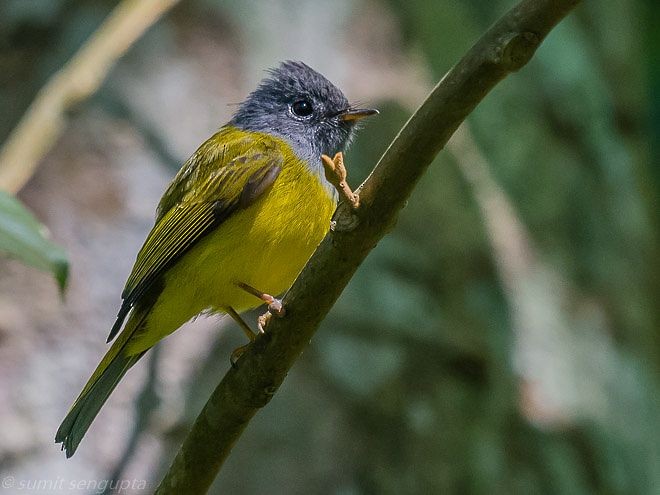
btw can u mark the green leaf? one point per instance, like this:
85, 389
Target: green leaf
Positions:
24, 238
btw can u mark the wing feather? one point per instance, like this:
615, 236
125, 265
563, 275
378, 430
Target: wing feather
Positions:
207, 191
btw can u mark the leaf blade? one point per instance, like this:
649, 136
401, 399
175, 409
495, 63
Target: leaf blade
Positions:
24, 238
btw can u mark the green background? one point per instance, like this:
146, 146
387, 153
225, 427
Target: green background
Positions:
504, 338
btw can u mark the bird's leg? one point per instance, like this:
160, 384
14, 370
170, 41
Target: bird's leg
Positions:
241, 323
345, 218
274, 308
274, 305
335, 173
246, 329
263, 320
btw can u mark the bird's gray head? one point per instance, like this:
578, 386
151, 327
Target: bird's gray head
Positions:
301, 106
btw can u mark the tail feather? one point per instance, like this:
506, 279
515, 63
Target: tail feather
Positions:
103, 381
87, 406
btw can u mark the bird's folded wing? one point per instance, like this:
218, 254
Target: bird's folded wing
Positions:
208, 193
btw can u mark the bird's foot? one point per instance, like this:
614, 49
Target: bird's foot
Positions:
263, 320
276, 309
335, 173
274, 305
345, 218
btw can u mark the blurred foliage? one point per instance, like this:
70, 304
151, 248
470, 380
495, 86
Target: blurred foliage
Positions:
565, 139
24, 238
412, 383
36, 38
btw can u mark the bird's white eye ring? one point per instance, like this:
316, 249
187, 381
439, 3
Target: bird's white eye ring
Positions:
302, 108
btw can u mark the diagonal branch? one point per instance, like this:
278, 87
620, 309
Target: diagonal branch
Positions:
505, 48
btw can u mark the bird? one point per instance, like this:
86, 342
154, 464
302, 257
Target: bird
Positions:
235, 226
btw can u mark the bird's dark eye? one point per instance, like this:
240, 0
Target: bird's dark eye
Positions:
302, 108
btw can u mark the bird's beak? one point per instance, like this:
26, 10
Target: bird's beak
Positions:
357, 113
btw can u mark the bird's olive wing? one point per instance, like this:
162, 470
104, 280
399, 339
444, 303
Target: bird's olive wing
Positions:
216, 191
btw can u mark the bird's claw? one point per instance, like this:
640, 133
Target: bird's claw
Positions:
335, 173
276, 308
263, 320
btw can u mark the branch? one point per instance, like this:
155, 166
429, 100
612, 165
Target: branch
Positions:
45, 119
505, 48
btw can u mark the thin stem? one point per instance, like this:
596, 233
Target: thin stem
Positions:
45, 120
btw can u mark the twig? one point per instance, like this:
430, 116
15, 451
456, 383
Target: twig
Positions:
511, 245
45, 119
505, 48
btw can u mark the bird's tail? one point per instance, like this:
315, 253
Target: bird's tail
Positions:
100, 385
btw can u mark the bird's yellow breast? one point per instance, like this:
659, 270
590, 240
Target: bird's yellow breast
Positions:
264, 245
